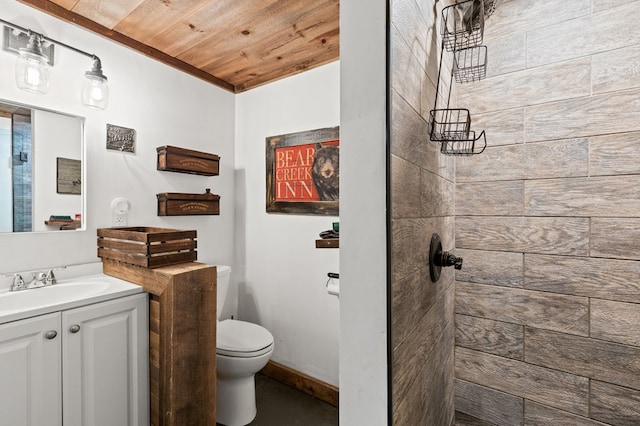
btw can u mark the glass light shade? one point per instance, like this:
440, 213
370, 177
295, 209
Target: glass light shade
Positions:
32, 72
95, 91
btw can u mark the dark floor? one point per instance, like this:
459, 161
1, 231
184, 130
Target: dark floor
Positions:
281, 405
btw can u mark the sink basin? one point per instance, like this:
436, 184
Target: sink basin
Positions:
66, 294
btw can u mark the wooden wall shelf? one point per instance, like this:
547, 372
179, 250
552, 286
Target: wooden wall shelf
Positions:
180, 204
181, 160
328, 243
64, 224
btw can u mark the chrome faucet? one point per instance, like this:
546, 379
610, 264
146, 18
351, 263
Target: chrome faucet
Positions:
39, 279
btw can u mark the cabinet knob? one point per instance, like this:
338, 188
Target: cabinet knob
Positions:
74, 328
51, 334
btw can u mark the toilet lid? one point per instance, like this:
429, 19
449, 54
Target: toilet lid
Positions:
239, 338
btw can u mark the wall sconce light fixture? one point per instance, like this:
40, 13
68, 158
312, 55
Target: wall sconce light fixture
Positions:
33, 63
32, 68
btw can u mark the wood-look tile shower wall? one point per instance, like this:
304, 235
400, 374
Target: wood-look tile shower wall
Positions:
422, 190
547, 306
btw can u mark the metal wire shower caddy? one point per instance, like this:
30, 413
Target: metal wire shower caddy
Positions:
462, 32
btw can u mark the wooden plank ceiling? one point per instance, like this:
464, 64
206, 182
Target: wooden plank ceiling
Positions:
234, 44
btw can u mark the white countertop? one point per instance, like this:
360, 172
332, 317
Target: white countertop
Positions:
68, 293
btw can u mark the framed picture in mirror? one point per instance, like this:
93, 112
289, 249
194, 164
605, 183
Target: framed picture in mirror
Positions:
69, 176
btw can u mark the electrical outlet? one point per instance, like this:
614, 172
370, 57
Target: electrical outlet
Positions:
119, 219
120, 211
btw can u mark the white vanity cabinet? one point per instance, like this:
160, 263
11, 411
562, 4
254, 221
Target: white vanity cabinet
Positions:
105, 359
30, 371
78, 367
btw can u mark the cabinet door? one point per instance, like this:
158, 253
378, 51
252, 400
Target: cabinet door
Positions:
105, 363
30, 378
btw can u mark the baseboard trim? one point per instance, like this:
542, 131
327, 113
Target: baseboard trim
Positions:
302, 382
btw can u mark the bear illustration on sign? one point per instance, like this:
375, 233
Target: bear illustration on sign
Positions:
326, 172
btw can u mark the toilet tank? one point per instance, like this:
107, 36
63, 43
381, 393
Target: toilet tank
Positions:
224, 276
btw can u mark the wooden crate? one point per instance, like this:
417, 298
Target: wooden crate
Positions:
146, 246
181, 160
179, 204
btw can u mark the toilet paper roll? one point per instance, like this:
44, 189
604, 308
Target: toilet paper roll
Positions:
333, 288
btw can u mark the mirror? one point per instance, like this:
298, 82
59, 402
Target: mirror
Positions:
41, 169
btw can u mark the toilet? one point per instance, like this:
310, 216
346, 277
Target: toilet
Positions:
242, 349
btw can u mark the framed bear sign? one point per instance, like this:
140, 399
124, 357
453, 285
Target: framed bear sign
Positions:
303, 172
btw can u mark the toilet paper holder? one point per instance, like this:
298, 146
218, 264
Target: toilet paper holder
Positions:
332, 288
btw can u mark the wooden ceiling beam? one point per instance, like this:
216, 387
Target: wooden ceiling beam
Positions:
59, 12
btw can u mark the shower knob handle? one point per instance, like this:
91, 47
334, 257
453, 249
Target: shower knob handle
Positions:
449, 259
439, 259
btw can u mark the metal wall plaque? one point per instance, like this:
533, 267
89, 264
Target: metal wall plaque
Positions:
121, 138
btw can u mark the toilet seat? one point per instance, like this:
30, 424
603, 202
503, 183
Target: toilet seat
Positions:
242, 339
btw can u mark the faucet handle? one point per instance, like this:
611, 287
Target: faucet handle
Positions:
50, 278
449, 259
18, 283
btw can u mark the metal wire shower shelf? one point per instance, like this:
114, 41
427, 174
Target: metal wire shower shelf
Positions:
451, 128
449, 124
463, 25
471, 146
470, 64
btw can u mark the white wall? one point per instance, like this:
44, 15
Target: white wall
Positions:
280, 274
363, 239
164, 106
54, 135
